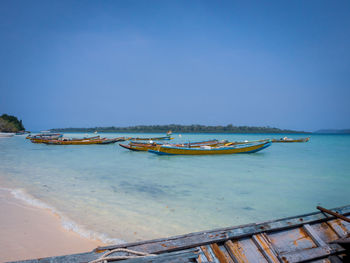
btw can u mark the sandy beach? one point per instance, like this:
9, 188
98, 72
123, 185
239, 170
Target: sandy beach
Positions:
28, 232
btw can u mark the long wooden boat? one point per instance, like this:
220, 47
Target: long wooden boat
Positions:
39, 138
145, 146
82, 141
207, 150
317, 237
150, 139
285, 139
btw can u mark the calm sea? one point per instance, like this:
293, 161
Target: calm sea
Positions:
108, 192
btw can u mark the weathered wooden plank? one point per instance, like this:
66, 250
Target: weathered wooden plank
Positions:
201, 256
209, 253
325, 232
341, 227
266, 248
182, 256
74, 258
314, 236
244, 251
291, 240
219, 254
227, 255
305, 255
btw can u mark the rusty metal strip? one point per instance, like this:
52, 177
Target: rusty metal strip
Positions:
265, 246
342, 217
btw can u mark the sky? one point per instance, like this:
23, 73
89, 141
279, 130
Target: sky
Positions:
282, 64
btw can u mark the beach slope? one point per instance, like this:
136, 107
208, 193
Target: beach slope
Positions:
28, 232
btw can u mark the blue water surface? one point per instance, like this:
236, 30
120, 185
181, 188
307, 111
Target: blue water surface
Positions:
138, 195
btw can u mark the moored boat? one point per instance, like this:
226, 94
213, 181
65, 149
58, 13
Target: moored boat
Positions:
45, 136
145, 146
168, 137
285, 139
208, 150
83, 141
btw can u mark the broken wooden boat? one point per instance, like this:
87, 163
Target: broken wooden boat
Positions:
315, 237
285, 139
208, 150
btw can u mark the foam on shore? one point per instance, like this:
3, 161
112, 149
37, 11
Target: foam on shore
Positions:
68, 224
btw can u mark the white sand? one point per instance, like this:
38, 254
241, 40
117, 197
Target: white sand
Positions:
28, 232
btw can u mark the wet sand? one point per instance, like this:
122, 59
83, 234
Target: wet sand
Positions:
28, 232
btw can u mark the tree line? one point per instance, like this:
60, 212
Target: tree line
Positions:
177, 128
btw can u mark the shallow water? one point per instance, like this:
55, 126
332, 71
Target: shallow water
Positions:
111, 193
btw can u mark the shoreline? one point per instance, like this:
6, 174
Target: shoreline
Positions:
29, 231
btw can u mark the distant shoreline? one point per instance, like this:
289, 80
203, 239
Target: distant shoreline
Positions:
230, 129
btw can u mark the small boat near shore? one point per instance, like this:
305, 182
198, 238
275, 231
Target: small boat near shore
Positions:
285, 139
168, 137
45, 136
145, 146
251, 147
83, 141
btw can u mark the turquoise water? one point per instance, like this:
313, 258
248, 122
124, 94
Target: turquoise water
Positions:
107, 192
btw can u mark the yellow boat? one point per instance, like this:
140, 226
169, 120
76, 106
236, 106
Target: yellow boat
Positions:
81, 141
142, 146
48, 139
207, 150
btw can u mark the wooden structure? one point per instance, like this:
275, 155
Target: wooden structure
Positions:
168, 137
285, 139
207, 150
145, 146
314, 237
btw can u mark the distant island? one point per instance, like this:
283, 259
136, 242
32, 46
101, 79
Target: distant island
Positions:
10, 123
176, 128
334, 131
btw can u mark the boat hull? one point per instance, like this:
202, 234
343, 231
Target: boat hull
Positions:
151, 139
248, 148
291, 140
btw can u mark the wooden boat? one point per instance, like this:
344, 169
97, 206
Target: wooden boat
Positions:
206, 150
84, 141
168, 137
44, 136
19, 133
315, 237
285, 139
143, 146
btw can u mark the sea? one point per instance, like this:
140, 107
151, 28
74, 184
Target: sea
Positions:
115, 195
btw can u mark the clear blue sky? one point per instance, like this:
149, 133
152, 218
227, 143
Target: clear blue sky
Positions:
284, 64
